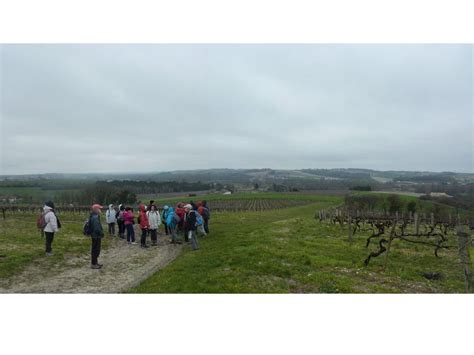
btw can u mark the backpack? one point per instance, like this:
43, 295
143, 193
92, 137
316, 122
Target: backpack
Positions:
57, 221
87, 228
206, 214
41, 222
199, 220
177, 219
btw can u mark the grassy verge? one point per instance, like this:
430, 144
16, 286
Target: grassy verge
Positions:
22, 245
287, 250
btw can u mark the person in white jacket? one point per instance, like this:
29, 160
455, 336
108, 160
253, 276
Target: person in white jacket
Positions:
51, 226
154, 220
111, 219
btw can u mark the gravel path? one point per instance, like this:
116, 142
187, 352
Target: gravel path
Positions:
125, 266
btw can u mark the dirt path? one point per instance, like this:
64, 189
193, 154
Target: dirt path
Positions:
125, 266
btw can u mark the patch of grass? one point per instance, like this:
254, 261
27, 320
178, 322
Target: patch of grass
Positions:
22, 245
282, 251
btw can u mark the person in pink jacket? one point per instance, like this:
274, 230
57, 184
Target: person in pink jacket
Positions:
129, 222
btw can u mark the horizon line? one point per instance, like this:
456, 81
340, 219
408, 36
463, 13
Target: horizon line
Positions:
206, 169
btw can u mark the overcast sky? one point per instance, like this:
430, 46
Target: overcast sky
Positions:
123, 108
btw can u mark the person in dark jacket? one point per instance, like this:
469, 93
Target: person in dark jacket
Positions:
121, 221
190, 226
164, 216
203, 210
97, 234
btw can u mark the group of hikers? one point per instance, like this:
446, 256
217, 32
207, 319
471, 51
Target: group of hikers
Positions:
185, 219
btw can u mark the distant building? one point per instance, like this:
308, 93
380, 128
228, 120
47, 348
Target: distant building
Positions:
439, 194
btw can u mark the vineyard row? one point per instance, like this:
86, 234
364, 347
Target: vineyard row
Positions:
216, 206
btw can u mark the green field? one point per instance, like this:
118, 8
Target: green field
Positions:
29, 195
289, 251
22, 244
272, 251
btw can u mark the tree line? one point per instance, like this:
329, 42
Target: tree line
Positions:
117, 191
392, 203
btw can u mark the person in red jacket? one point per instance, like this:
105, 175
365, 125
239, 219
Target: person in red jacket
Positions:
144, 225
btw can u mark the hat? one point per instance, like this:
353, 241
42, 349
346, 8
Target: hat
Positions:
188, 206
165, 207
96, 206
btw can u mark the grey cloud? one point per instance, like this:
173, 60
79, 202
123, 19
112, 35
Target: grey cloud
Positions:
99, 108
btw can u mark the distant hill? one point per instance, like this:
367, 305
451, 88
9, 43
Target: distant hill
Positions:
258, 175
71, 188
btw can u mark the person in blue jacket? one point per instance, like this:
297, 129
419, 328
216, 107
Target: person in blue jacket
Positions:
171, 224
